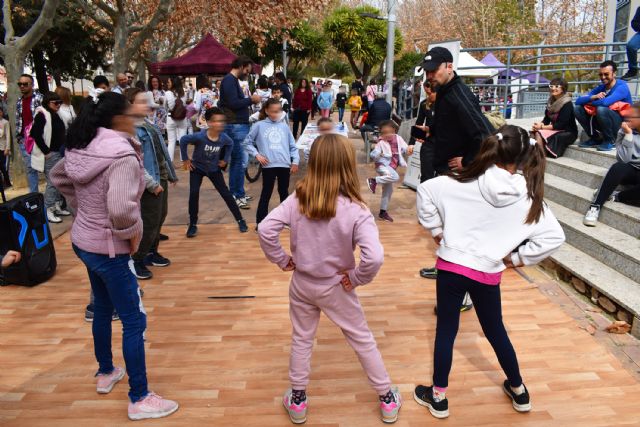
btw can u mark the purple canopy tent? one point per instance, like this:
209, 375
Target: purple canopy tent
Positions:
209, 56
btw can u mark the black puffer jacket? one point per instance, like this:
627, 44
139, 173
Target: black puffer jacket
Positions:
459, 127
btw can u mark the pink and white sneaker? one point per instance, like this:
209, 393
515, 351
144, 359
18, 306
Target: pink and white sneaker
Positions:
106, 382
297, 412
152, 406
390, 410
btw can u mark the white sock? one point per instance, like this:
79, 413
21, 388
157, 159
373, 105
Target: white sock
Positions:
518, 390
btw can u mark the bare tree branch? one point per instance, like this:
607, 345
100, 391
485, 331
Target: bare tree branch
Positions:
42, 24
6, 21
113, 14
161, 13
93, 13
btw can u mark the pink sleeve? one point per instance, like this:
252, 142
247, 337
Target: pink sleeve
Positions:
366, 236
270, 229
123, 201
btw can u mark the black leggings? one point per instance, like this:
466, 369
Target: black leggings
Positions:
451, 289
217, 179
300, 118
269, 176
620, 174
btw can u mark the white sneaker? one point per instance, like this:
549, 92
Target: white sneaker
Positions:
591, 217
51, 216
59, 211
241, 203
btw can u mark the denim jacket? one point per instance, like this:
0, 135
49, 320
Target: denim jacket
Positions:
149, 154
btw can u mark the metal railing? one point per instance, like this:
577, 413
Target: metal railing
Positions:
506, 90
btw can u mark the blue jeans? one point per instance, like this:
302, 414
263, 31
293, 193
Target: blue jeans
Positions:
340, 114
114, 286
32, 174
603, 126
632, 52
239, 158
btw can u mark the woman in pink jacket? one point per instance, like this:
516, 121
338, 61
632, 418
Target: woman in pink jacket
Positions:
328, 218
101, 177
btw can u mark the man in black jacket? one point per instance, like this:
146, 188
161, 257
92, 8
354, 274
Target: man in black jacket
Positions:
458, 128
379, 111
632, 48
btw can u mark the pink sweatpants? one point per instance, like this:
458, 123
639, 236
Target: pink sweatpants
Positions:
306, 301
325, 112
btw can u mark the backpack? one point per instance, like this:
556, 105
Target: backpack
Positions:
179, 111
29, 142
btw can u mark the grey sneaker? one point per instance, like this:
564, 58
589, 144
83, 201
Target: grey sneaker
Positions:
297, 412
241, 203
591, 217
389, 411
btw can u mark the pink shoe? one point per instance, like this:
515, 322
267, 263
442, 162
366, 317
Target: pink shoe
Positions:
107, 382
297, 413
389, 411
372, 184
152, 406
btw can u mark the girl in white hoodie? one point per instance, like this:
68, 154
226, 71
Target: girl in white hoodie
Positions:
489, 217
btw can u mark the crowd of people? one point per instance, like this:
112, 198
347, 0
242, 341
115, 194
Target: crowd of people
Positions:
112, 167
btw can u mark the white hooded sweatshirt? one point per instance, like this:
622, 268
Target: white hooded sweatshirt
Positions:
483, 221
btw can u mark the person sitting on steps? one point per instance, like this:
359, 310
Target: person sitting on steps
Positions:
598, 112
625, 171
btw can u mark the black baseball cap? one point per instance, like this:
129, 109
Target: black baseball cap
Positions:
435, 57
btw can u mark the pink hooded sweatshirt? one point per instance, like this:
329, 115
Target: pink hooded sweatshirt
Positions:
322, 249
103, 184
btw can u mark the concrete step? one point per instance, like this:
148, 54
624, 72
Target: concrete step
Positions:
607, 280
603, 159
577, 197
612, 247
577, 171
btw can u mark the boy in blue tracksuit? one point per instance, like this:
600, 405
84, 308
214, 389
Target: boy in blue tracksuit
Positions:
210, 157
271, 142
603, 122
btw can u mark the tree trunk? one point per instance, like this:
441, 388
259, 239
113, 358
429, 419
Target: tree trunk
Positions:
58, 79
13, 63
40, 67
120, 36
142, 70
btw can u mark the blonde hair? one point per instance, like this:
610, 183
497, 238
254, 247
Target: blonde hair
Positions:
331, 172
64, 94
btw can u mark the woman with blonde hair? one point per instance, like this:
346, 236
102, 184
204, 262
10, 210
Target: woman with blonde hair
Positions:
66, 111
328, 218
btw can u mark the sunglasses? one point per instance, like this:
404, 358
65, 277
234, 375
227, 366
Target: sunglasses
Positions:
56, 102
604, 75
555, 87
23, 84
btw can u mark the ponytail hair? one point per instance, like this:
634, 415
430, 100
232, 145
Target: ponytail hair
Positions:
511, 145
95, 113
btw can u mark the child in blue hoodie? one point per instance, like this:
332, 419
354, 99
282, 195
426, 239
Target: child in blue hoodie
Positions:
210, 157
271, 142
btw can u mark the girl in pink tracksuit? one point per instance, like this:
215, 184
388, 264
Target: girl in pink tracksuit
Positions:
328, 218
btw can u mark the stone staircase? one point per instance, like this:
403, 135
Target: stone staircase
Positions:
602, 262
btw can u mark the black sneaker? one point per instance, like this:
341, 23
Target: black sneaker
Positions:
242, 225
192, 230
141, 271
520, 402
424, 396
156, 260
630, 75
429, 273
163, 237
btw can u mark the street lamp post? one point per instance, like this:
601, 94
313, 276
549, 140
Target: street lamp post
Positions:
391, 35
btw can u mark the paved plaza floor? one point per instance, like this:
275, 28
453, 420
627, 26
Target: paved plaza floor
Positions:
218, 339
